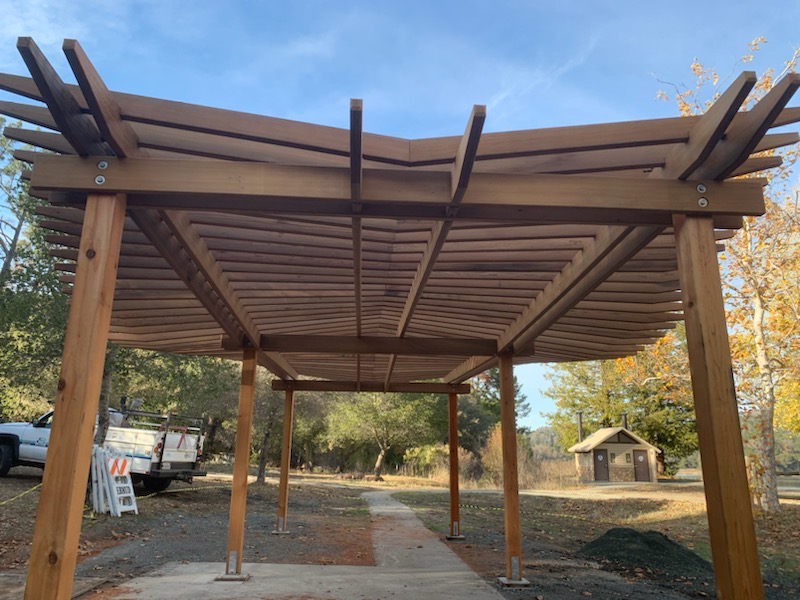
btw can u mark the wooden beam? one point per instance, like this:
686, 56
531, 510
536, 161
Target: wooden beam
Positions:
79, 129
410, 346
508, 426
746, 132
459, 179
356, 133
286, 455
730, 518
58, 522
466, 153
612, 247
367, 386
241, 464
684, 159
455, 511
265, 187
119, 134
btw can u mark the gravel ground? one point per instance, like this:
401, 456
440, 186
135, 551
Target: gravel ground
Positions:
330, 525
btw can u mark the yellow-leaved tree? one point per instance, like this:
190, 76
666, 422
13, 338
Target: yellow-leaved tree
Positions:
761, 279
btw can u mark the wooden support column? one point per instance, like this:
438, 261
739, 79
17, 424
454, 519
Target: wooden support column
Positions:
58, 520
241, 463
455, 518
286, 455
730, 517
508, 425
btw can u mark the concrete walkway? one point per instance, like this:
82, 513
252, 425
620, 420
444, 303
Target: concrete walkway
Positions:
411, 563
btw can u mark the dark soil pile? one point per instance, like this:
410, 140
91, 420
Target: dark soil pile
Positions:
650, 554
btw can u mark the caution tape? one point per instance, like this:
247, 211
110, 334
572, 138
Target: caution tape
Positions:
191, 489
18, 496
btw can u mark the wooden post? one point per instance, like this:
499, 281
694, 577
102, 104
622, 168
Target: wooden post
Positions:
286, 455
730, 517
508, 426
241, 462
58, 520
455, 519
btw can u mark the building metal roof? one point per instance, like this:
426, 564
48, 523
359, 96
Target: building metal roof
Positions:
601, 436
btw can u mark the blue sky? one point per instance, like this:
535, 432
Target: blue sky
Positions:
419, 66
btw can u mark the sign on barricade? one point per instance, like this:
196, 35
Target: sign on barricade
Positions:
112, 488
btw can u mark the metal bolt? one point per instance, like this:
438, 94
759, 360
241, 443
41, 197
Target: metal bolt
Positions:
102, 165
701, 188
99, 180
702, 202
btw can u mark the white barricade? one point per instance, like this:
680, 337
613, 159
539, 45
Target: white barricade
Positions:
112, 488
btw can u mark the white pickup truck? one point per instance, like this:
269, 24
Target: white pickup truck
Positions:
162, 448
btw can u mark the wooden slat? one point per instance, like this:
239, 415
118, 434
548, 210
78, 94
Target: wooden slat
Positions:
612, 247
36, 115
181, 228
41, 139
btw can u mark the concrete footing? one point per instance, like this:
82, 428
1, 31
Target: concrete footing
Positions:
506, 582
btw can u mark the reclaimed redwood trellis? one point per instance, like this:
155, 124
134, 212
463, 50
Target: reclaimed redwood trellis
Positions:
344, 260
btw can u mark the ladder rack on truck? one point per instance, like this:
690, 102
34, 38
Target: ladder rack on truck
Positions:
163, 448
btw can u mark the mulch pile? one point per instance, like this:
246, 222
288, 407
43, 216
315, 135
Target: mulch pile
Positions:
650, 554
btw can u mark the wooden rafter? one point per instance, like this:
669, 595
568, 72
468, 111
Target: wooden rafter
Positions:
79, 129
459, 179
356, 144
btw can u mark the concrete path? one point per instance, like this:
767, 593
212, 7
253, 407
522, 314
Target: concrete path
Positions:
411, 563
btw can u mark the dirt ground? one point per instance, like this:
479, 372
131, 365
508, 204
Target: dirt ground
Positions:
330, 524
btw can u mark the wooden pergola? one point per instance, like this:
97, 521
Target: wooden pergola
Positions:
345, 260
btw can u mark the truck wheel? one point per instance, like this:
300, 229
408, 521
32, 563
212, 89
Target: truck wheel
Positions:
156, 484
6, 458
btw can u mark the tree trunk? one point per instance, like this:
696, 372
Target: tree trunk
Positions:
262, 457
661, 464
764, 477
211, 434
11, 251
379, 462
105, 392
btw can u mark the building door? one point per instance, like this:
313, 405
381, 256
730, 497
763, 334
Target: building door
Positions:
641, 466
601, 465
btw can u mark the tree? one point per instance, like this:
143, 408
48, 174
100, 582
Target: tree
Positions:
652, 388
382, 420
33, 310
486, 391
761, 267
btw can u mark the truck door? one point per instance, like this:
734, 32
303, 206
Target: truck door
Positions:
34, 440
